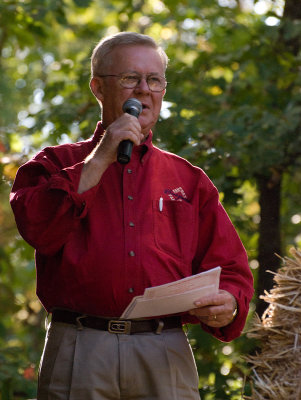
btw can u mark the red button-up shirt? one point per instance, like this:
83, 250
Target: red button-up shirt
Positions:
98, 249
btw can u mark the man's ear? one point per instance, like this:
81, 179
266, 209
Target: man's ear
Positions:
96, 88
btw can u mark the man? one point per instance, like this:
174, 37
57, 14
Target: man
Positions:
104, 231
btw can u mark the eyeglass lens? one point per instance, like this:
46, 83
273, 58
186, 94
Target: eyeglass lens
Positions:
154, 82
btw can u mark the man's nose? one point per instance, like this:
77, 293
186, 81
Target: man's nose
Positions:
142, 85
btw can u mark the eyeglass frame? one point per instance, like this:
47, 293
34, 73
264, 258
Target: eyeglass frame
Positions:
141, 77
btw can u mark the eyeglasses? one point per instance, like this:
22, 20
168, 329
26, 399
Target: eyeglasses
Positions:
129, 80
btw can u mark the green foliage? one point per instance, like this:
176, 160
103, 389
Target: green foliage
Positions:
233, 109
21, 334
222, 371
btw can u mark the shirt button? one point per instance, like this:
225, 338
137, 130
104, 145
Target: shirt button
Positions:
132, 253
131, 224
130, 197
131, 290
129, 171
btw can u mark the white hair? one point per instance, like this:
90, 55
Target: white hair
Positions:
100, 54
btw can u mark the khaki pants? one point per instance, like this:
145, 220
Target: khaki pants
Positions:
90, 364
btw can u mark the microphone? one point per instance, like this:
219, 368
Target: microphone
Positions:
133, 107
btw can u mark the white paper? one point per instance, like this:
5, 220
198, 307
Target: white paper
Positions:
175, 297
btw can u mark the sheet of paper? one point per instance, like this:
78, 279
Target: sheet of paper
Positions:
174, 297
184, 285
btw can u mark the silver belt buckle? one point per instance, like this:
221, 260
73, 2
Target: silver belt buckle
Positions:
119, 326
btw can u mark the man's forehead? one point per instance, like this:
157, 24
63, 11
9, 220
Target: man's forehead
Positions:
134, 49
135, 57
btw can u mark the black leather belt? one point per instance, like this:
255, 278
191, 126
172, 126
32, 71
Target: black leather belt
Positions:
116, 325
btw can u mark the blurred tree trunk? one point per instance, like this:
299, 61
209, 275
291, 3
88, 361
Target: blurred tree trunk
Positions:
269, 188
269, 234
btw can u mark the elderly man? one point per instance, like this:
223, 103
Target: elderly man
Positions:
104, 231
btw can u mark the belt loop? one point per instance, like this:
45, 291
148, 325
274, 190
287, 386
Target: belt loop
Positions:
159, 327
78, 323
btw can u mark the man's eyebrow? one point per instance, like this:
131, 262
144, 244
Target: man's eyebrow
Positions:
139, 73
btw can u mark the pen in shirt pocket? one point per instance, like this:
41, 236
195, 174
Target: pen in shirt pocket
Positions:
161, 204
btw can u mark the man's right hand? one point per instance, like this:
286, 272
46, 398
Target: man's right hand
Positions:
123, 128
105, 153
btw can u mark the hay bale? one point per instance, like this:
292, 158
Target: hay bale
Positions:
276, 370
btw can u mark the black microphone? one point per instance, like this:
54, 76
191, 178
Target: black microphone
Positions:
133, 107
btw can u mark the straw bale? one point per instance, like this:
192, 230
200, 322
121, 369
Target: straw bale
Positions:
276, 368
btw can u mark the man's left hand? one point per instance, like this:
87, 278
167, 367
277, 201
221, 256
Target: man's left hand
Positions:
215, 310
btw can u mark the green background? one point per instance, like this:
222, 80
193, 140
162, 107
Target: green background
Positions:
232, 107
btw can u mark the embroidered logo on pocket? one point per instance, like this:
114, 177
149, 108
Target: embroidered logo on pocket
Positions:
176, 194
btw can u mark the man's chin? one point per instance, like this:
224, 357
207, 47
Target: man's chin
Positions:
146, 126
145, 131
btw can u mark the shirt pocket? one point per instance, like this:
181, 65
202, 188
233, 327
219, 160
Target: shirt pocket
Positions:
173, 227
